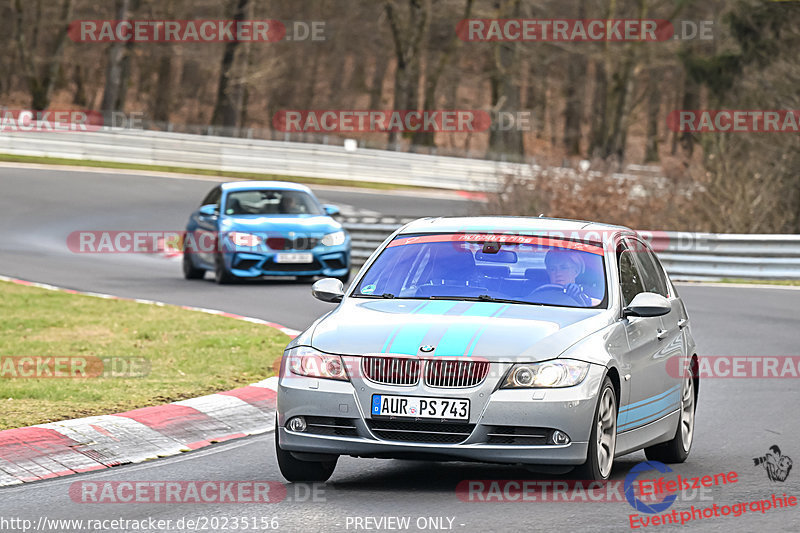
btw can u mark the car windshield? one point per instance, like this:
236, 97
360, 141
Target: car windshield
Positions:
516, 269
271, 202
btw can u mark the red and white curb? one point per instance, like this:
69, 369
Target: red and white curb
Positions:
72, 446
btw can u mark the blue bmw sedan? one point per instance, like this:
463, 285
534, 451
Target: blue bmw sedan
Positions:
252, 229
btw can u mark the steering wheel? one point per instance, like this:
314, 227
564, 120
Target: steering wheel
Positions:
554, 288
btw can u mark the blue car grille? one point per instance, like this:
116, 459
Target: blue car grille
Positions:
271, 266
296, 243
335, 264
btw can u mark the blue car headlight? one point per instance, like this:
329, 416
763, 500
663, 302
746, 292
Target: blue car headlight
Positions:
336, 238
549, 374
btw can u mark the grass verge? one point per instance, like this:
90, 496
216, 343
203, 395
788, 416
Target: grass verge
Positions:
188, 353
784, 282
204, 172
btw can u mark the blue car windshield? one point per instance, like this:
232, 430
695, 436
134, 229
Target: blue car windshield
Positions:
517, 269
271, 202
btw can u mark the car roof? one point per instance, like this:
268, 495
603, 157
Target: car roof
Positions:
248, 185
494, 224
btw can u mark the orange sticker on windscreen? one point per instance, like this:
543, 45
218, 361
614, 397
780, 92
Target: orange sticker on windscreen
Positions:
534, 240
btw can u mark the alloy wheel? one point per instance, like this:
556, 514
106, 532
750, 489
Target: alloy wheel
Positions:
606, 432
687, 413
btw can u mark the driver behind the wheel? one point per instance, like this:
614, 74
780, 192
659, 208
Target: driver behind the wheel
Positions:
563, 267
287, 205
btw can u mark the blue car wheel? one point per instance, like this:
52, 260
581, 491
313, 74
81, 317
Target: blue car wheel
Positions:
189, 270
221, 274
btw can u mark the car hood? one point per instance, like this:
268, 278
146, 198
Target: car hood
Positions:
311, 224
494, 331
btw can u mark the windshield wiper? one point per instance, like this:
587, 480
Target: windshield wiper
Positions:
385, 295
480, 298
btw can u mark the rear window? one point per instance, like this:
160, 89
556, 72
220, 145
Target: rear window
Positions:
523, 269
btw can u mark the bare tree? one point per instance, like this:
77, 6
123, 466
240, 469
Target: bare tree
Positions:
41, 80
407, 36
505, 87
116, 70
433, 74
230, 88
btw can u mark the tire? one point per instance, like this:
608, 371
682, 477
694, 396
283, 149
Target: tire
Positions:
297, 471
189, 270
597, 468
221, 274
677, 449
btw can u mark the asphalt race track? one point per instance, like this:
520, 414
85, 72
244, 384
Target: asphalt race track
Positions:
40, 208
737, 419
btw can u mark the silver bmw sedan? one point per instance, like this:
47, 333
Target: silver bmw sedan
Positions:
555, 344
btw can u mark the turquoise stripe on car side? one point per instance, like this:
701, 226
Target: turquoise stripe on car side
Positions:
644, 414
650, 399
650, 418
647, 409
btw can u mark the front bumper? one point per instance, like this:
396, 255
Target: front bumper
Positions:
569, 410
328, 261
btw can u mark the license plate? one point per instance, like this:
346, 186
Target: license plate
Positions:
294, 258
416, 407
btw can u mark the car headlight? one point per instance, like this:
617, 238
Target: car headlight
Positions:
334, 239
245, 239
550, 374
305, 361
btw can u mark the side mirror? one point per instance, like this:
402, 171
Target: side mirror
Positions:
331, 210
329, 290
209, 210
648, 304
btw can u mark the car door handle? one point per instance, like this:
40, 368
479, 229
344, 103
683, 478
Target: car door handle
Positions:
682, 323
662, 334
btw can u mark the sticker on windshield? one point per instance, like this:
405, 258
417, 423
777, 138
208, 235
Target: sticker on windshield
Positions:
369, 289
